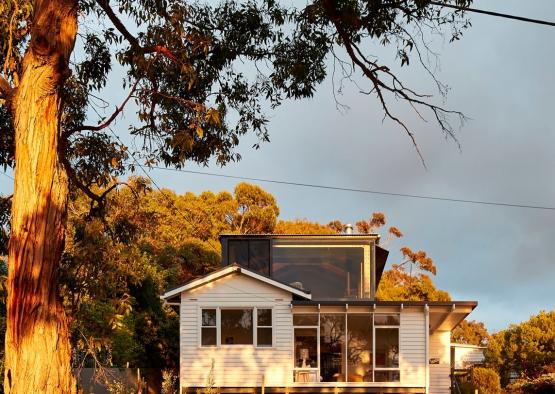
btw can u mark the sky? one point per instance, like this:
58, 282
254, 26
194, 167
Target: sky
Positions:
501, 75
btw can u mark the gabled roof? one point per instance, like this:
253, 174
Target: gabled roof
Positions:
234, 269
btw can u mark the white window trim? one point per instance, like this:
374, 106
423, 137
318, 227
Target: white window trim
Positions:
317, 328
374, 327
255, 318
201, 327
219, 309
385, 369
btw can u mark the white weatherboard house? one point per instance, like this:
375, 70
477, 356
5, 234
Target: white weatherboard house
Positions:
298, 314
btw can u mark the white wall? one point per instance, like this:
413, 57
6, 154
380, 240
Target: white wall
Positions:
412, 349
440, 348
246, 366
238, 365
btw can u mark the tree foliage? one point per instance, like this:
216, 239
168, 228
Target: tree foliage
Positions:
485, 380
398, 285
470, 332
181, 61
524, 349
116, 265
303, 226
193, 103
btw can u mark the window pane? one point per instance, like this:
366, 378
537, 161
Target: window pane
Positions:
387, 376
327, 271
264, 317
332, 347
306, 348
386, 320
387, 347
208, 317
359, 348
238, 252
236, 327
208, 336
259, 256
264, 336
305, 319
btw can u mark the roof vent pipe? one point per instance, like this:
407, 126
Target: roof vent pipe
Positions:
348, 228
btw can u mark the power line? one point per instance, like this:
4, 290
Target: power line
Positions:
355, 190
160, 190
492, 13
154, 183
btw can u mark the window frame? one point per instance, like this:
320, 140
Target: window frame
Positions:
386, 369
317, 327
256, 326
248, 241
346, 349
203, 326
219, 343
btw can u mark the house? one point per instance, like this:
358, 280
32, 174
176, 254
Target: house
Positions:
298, 314
464, 356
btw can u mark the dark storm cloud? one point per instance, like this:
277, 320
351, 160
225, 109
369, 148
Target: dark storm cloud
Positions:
501, 76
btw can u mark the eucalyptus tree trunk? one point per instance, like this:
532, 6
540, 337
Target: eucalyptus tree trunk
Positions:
38, 354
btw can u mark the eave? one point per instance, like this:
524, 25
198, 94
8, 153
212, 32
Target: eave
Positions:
444, 315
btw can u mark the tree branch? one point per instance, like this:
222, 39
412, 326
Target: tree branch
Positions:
108, 121
118, 24
133, 41
73, 177
372, 71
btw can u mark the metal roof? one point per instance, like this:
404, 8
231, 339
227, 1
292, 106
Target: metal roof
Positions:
367, 302
270, 235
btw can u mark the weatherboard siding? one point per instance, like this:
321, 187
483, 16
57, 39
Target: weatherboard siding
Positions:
248, 366
440, 349
238, 365
412, 349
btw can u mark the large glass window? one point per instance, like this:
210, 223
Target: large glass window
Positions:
252, 254
236, 327
208, 332
387, 376
328, 271
238, 252
259, 256
264, 327
382, 319
353, 347
306, 347
387, 347
305, 319
359, 347
332, 347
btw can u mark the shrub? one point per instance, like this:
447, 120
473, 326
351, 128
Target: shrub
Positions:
169, 382
486, 380
544, 384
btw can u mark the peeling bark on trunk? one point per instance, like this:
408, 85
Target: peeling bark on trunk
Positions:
38, 354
